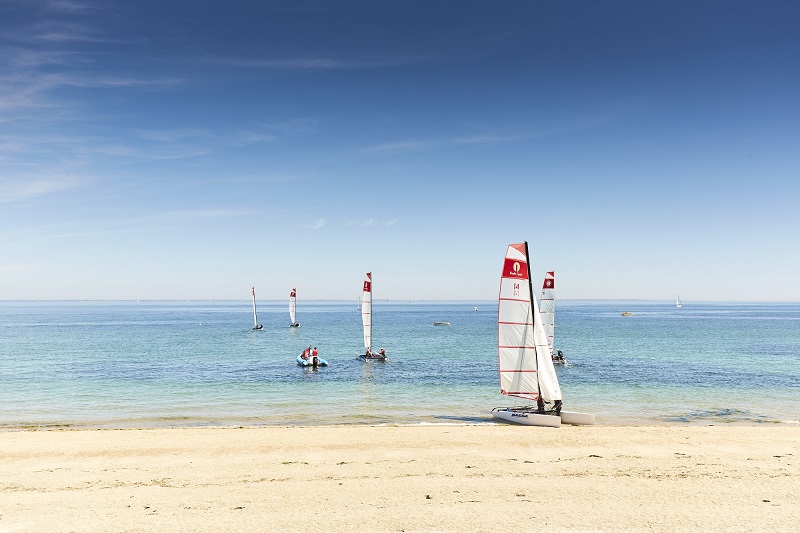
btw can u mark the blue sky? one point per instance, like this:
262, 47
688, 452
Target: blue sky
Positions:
193, 149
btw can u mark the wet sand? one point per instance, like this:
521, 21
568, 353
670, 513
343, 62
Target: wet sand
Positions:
486, 477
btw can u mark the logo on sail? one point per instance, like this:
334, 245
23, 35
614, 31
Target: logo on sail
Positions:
515, 269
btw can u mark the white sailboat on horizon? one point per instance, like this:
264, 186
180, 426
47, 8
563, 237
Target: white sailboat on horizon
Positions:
678, 302
293, 309
256, 325
524, 359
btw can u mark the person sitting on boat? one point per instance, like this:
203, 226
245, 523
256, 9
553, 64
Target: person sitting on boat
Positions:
306, 352
368, 353
382, 353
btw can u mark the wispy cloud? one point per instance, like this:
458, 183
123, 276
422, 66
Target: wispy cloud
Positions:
433, 144
309, 63
317, 225
13, 268
147, 223
69, 6
13, 190
373, 223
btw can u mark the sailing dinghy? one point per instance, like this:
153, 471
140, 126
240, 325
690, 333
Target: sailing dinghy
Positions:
293, 309
256, 325
678, 302
547, 309
366, 321
524, 359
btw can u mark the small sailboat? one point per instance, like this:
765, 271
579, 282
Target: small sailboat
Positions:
256, 325
366, 321
293, 309
678, 302
547, 309
524, 358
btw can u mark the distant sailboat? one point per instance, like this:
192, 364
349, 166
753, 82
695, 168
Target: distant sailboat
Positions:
293, 309
366, 321
524, 358
678, 302
256, 325
547, 308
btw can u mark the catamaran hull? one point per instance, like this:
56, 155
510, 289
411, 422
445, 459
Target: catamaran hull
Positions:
374, 358
527, 418
577, 419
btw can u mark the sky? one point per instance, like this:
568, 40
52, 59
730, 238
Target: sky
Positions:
195, 149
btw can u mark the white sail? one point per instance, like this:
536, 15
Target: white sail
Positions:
526, 367
547, 308
366, 311
255, 315
293, 306
678, 301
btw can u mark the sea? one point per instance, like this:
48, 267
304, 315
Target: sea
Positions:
109, 364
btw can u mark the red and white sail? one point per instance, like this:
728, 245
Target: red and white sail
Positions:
526, 368
293, 306
547, 307
366, 311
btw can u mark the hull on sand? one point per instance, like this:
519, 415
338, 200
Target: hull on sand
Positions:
526, 417
577, 419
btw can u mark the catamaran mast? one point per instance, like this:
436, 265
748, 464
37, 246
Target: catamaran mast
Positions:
255, 316
539, 400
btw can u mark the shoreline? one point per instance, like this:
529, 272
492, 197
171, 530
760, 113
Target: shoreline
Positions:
483, 423
443, 477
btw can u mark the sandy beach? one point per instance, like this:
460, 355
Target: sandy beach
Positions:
423, 478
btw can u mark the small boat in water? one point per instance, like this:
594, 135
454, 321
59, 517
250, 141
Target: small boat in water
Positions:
366, 322
308, 358
524, 359
293, 309
441, 323
678, 302
256, 325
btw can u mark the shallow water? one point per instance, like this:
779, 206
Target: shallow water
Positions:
122, 364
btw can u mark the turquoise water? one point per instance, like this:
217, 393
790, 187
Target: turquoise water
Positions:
123, 364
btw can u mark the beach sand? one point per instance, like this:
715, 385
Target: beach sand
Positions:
486, 477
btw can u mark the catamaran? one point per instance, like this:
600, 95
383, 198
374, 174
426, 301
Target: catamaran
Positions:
256, 325
293, 309
366, 321
524, 357
547, 309
678, 302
